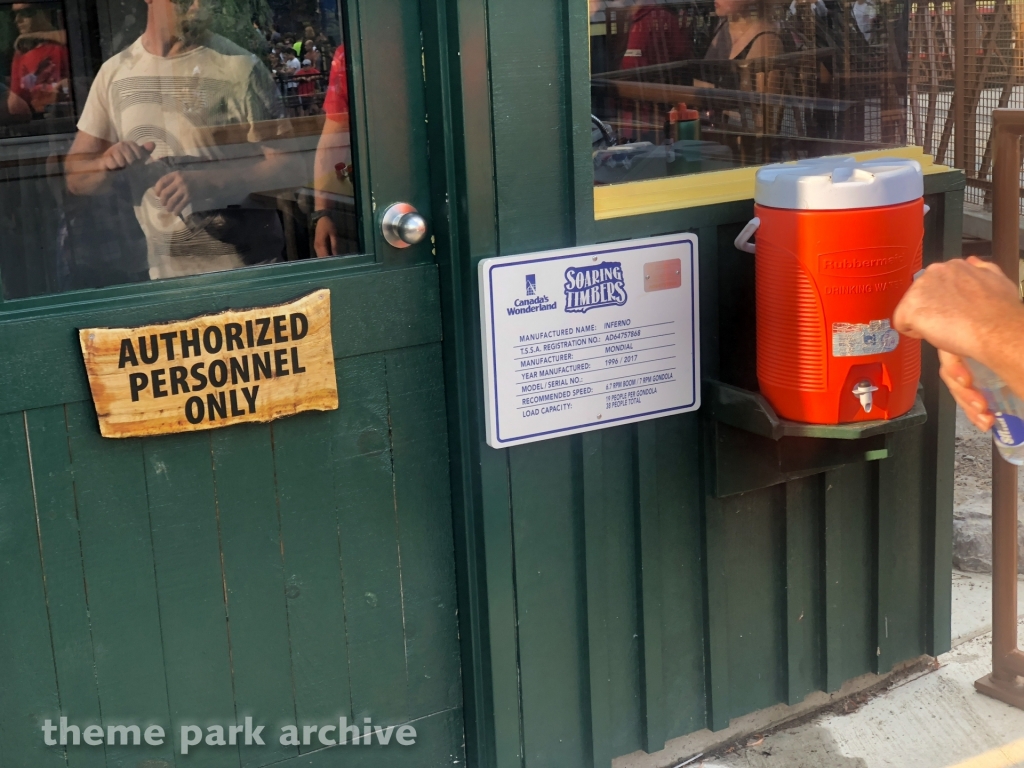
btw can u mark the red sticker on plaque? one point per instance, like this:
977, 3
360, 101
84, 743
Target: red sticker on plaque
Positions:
662, 275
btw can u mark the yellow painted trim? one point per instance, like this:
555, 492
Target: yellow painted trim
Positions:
1001, 757
616, 200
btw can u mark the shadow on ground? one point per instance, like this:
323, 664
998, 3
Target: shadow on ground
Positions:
811, 746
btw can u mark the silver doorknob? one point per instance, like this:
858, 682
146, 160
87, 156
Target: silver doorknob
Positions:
403, 226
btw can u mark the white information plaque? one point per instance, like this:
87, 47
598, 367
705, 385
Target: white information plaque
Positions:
584, 338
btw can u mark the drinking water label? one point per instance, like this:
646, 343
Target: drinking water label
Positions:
860, 339
1008, 429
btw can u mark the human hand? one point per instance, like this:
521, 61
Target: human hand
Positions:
325, 240
126, 153
957, 376
958, 306
175, 190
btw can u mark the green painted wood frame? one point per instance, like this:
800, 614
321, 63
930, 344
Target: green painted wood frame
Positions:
294, 572
608, 600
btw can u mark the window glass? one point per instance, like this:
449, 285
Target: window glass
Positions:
150, 139
703, 85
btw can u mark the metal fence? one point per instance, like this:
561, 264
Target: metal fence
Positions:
302, 94
965, 59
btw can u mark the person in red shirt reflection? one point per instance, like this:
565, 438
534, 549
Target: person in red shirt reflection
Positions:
657, 35
333, 154
307, 77
336, 100
40, 70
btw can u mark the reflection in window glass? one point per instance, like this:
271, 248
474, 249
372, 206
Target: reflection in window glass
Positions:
148, 139
703, 85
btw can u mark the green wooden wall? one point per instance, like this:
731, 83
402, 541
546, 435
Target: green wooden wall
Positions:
615, 589
632, 585
294, 572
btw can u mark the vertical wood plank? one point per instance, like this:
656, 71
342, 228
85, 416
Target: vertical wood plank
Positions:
423, 501
368, 523
650, 583
528, 88
717, 622
439, 741
850, 572
619, 563
942, 450
707, 239
309, 533
804, 605
580, 141
756, 564
389, 43
65, 583
505, 696
462, 180
941, 431
595, 540
834, 583
117, 546
193, 618
261, 667
683, 612
903, 578
546, 498
715, 598
28, 694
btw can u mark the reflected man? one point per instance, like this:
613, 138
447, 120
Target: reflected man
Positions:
156, 115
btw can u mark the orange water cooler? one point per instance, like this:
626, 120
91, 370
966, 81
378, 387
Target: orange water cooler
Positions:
838, 244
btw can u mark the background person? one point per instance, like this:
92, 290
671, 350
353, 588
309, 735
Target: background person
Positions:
40, 70
315, 59
307, 77
333, 152
743, 33
968, 309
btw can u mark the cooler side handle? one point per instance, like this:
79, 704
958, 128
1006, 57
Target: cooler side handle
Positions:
742, 241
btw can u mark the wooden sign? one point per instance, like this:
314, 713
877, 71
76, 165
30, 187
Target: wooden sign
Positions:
213, 371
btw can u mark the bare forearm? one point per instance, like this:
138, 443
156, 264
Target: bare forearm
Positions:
322, 166
230, 183
333, 147
86, 176
17, 107
1001, 348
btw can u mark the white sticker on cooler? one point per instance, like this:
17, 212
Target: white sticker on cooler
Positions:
861, 339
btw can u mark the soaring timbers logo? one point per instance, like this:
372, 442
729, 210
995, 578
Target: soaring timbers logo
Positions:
600, 285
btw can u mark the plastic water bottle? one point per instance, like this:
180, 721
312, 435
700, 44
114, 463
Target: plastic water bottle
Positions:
1006, 407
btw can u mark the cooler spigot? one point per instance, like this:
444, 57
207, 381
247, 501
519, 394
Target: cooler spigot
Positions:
863, 392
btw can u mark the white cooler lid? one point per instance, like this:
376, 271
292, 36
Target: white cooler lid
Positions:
838, 183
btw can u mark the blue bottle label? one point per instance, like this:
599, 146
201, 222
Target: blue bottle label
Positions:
1008, 430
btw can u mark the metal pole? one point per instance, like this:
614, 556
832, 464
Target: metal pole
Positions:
959, 82
1007, 661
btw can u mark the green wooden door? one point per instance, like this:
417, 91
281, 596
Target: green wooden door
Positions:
294, 573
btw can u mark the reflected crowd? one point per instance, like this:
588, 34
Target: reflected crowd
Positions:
200, 136
687, 86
